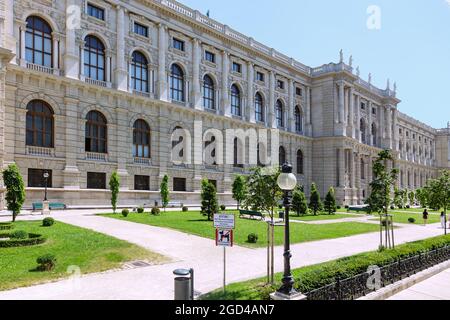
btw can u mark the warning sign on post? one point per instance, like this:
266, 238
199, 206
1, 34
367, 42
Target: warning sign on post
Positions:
224, 238
224, 221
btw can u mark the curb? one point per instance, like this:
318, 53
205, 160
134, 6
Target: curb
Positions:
404, 284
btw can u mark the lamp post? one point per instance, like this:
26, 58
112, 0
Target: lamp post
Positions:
46, 176
287, 182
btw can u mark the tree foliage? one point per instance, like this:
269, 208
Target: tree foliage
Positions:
114, 185
210, 204
15, 190
299, 203
382, 184
330, 201
412, 197
263, 193
422, 197
315, 203
164, 191
399, 201
239, 190
439, 191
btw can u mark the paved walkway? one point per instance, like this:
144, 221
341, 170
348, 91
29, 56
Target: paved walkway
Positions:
186, 251
435, 288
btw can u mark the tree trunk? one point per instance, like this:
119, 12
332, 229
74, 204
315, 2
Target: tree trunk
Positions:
14, 217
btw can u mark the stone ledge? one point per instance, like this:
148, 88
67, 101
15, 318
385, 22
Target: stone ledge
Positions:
404, 284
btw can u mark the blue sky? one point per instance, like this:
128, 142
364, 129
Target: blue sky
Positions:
412, 47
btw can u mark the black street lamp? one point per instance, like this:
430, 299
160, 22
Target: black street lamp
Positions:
46, 176
287, 182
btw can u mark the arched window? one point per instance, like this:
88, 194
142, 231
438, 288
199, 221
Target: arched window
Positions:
237, 162
282, 156
141, 139
139, 72
374, 134
38, 42
362, 126
96, 133
209, 95
94, 59
176, 83
235, 100
39, 124
280, 114
300, 169
259, 109
298, 120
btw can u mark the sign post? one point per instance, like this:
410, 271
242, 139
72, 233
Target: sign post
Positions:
224, 224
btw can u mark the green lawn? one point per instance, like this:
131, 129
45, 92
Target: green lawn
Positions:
320, 217
404, 216
195, 223
72, 246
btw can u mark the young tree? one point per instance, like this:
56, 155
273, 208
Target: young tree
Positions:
165, 192
315, 203
239, 190
411, 197
422, 197
382, 184
439, 191
299, 204
398, 198
15, 190
114, 185
210, 205
330, 201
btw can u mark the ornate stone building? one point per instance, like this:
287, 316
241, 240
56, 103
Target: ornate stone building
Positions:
92, 86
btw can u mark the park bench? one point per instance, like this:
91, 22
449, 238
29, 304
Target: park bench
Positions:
251, 214
52, 205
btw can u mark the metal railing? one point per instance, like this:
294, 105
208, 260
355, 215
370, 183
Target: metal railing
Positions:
357, 286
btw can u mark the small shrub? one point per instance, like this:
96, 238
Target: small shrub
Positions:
347, 207
140, 210
223, 207
46, 262
252, 238
19, 235
392, 207
338, 207
185, 209
408, 206
125, 212
48, 222
156, 211
412, 220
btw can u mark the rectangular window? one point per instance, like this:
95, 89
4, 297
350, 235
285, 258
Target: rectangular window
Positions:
260, 76
142, 183
209, 56
280, 84
36, 178
374, 111
141, 29
298, 91
363, 106
96, 180
96, 12
237, 67
178, 44
179, 184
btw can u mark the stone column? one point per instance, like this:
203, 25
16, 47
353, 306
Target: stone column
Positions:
395, 128
162, 51
351, 115
55, 62
250, 93
121, 74
108, 68
308, 112
272, 115
341, 167
73, 144
81, 50
2, 37
352, 169
369, 126
225, 84
291, 118
389, 126
196, 90
369, 170
9, 40
358, 118
382, 124
123, 152
341, 105
358, 176
72, 52
23, 62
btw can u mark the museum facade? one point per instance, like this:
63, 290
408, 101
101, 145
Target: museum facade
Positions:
89, 87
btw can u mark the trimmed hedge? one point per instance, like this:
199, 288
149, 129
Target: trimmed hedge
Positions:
32, 240
6, 226
314, 277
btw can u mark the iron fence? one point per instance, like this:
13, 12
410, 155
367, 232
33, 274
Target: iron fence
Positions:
360, 285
